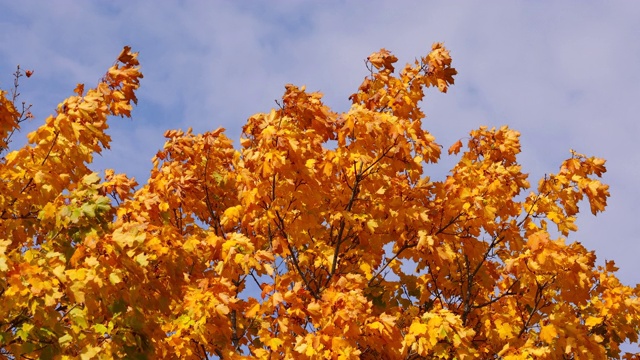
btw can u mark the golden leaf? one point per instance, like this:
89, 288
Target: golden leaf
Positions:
548, 333
455, 148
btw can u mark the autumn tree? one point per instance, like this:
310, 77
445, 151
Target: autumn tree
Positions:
322, 236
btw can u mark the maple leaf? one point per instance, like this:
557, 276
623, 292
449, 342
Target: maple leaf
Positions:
455, 148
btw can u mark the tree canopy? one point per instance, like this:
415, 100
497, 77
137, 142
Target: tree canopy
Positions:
322, 236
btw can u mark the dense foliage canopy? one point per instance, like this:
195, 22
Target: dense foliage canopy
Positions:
322, 236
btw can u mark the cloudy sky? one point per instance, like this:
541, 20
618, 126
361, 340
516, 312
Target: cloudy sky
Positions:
565, 74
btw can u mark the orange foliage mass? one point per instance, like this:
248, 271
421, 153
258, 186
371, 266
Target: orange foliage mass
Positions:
321, 237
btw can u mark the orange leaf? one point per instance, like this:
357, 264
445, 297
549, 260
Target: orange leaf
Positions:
455, 148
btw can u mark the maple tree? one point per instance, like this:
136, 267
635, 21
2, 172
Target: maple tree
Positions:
322, 236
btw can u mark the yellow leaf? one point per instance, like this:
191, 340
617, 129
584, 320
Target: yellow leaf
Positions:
3, 246
418, 328
301, 348
310, 164
77, 289
253, 310
388, 320
424, 241
366, 269
91, 261
372, 225
129, 237
505, 330
548, 333
222, 309
164, 206
114, 278
504, 349
89, 352
65, 339
47, 212
231, 215
276, 298
314, 309
274, 343
268, 268
59, 272
376, 325
593, 321
142, 259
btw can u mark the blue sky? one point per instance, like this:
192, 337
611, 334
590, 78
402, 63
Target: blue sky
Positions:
565, 74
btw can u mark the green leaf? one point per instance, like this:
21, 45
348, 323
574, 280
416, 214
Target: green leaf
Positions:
47, 332
24, 331
377, 301
75, 215
78, 316
47, 353
100, 329
63, 340
118, 306
103, 204
89, 209
28, 347
92, 178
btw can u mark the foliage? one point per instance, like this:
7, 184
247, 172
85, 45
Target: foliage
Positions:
321, 237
